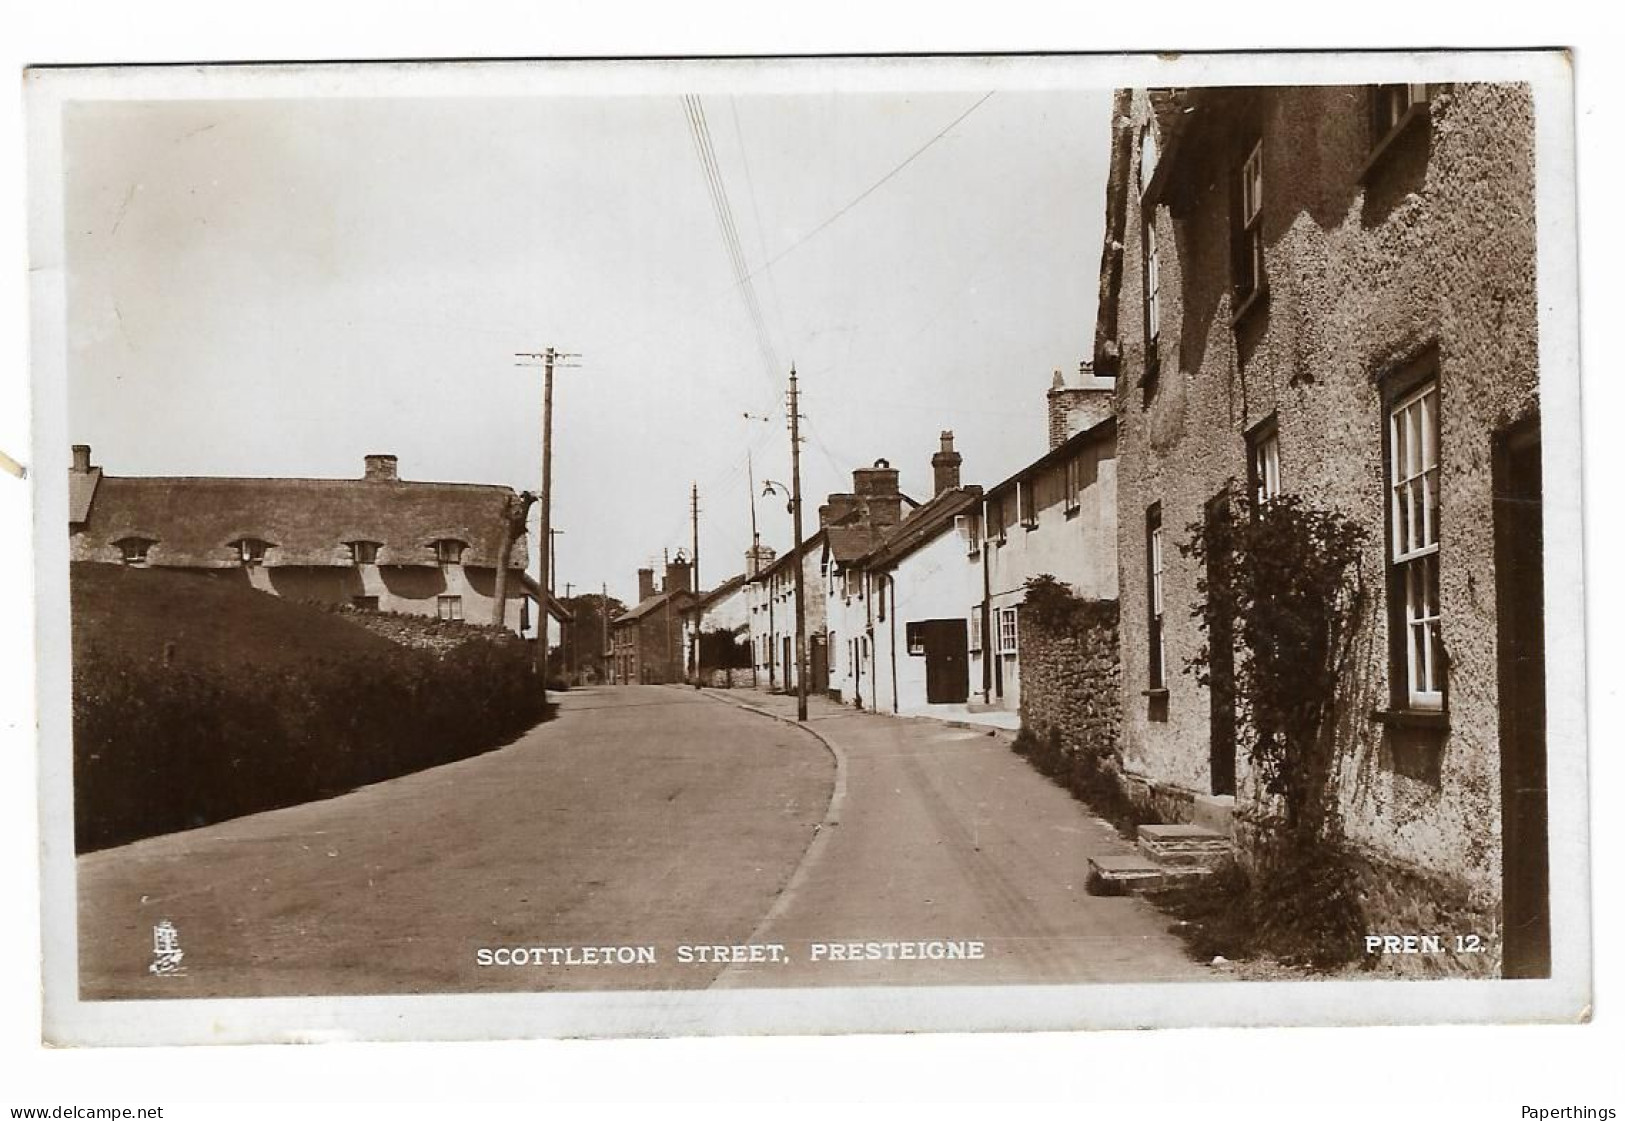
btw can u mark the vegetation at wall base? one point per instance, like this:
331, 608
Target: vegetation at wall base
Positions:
1087, 776
1281, 585
198, 699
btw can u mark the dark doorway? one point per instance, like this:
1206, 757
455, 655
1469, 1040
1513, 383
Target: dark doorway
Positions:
1221, 646
789, 666
1521, 648
947, 662
818, 671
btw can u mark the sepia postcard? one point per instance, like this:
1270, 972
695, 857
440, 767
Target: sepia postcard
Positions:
812, 545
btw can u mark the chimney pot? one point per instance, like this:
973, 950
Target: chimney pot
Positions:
81, 458
945, 465
381, 469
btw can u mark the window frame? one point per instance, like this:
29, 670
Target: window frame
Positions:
132, 556
1404, 567
995, 515
974, 646
914, 638
441, 551
1151, 295
1155, 567
1247, 281
1008, 639
1262, 438
364, 551
1074, 484
1027, 502
251, 551
449, 608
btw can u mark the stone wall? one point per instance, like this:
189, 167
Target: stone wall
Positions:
1069, 671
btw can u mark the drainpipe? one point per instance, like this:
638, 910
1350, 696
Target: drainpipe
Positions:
987, 615
891, 582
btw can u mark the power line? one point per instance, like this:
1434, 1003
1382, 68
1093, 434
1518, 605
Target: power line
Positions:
872, 188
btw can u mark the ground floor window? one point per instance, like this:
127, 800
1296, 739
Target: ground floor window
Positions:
449, 608
1008, 633
1153, 559
1413, 532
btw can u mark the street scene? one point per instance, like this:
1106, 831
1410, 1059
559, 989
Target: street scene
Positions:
748, 539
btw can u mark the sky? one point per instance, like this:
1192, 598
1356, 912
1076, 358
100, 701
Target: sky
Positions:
272, 287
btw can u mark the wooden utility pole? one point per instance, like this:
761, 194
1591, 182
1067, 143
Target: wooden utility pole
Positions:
603, 614
801, 568
550, 358
694, 520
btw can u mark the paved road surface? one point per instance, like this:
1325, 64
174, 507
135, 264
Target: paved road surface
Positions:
643, 817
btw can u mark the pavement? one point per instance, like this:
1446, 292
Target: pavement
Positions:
673, 832
939, 834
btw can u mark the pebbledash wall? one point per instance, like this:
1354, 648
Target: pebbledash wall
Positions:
1418, 257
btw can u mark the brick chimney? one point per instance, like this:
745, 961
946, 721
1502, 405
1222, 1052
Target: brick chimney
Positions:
945, 465
678, 575
1076, 408
646, 583
878, 496
81, 459
837, 506
381, 469
757, 558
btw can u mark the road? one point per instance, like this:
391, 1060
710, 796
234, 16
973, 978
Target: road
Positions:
642, 820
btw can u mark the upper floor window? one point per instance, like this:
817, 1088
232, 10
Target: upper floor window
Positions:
1153, 289
250, 550
1028, 495
1247, 233
1264, 463
449, 550
363, 552
1390, 106
133, 550
1413, 533
970, 528
1074, 484
995, 520
1148, 156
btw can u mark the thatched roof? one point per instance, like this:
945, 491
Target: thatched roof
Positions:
193, 522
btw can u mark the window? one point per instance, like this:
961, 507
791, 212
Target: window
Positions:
250, 550
1264, 464
1074, 484
1391, 107
363, 552
976, 629
449, 609
1007, 630
1413, 532
449, 550
1153, 295
133, 550
1153, 560
969, 527
1247, 240
364, 603
916, 638
1148, 157
1028, 497
995, 520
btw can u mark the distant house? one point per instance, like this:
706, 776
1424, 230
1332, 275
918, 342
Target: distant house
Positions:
723, 610
849, 525
377, 543
647, 643
907, 604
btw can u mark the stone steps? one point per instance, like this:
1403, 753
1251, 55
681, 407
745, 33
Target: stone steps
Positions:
1170, 856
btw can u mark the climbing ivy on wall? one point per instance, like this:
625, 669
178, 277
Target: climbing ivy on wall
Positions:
1283, 582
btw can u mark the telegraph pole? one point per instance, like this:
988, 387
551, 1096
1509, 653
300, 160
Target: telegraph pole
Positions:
603, 615
801, 573
550, 358
694, 518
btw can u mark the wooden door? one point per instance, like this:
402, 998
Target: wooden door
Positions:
947, 661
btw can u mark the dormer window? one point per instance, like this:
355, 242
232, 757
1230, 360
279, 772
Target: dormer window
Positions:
363, 552
449, 550
133, 550
250, 550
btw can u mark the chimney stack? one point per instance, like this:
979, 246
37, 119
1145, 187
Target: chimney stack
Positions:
381, 469
757, 558
878, 496
678, 575
646, 583
81, 458
1076, 408
945, 465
